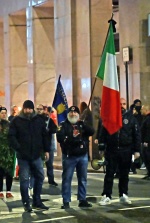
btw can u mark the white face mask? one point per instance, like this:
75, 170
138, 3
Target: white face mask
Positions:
73, 119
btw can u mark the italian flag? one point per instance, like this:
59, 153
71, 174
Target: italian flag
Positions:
107, 71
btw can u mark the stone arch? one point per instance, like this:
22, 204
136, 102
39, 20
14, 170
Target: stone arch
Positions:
45, 92
20, 94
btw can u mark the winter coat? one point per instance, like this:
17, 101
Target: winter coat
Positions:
51, 128
7, 155
28, 137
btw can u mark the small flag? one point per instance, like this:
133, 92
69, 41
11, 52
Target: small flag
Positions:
107, 71
60, 102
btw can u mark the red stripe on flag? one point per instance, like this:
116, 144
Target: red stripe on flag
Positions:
111, 110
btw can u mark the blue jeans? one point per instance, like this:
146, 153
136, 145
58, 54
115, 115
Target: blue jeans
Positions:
69, 164
26, 168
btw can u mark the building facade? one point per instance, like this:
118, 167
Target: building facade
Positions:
41, 39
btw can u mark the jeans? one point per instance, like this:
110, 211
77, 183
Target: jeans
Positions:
25, 169
69, 164
122, 161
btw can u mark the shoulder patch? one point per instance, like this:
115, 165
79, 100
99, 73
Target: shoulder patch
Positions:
125, 121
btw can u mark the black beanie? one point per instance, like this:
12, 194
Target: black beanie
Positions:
3, 108
74, 108
136, 100
28, 104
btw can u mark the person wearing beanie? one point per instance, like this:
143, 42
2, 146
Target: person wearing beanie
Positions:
137, 114
73, 134
28, 137
7, 156
28, 104
139, 117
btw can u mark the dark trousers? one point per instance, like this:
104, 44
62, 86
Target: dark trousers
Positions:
9, 180
49, 166
122, 161
146, 158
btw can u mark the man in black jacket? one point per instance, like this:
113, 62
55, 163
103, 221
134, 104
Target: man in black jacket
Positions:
73, 137
28, 137
119, 148
51, 128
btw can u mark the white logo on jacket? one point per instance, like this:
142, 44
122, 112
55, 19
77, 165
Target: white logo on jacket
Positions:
125, 121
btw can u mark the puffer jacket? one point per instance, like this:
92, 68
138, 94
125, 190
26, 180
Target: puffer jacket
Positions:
128, 138
28, 137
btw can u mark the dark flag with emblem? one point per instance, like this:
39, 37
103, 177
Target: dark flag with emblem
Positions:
60, 102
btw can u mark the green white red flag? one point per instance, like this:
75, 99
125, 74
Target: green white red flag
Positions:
107, 71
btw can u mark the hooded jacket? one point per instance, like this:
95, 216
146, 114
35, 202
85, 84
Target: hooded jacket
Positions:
28, 137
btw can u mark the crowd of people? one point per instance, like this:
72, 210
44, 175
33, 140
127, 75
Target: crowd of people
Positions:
30, 136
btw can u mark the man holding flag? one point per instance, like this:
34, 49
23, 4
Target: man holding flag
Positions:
72, 134
120, 134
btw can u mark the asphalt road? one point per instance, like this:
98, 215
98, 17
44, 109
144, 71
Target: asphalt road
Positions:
139, 211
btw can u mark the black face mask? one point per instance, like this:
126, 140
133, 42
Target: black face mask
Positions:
138, 108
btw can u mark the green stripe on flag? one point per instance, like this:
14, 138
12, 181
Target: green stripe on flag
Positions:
109, 48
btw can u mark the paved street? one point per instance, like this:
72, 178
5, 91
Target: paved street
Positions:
139, 211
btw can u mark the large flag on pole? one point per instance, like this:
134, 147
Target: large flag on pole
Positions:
107, 71
60, 102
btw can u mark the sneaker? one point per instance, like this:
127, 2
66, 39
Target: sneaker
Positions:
125, 199
27, 207
40, 206
9, 195
105, 200
65, 205
53, 183
143, 167
1, 195
84, 204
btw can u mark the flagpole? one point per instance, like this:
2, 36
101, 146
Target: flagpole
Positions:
101, 54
